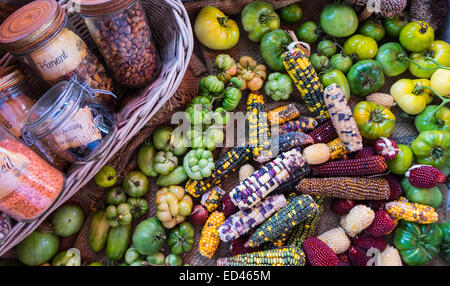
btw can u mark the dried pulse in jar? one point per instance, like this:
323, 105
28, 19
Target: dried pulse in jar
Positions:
40, 35
123, 36
28, 184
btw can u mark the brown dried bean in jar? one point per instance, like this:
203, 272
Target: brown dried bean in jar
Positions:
125, 41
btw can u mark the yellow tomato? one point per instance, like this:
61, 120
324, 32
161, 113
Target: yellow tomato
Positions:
440, 81
408, 96
214, 30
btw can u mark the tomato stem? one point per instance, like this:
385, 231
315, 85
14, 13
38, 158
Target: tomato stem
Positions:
444, 100
438, 66
223, 21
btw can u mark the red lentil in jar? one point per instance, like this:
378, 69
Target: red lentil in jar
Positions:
28, 184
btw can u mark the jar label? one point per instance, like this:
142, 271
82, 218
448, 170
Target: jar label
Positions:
12, 167
60, 57
80, 131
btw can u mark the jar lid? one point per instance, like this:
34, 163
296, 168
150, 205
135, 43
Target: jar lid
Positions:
32, 25
102, 7
9, 77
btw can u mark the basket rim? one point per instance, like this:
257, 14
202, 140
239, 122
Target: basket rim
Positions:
156, 95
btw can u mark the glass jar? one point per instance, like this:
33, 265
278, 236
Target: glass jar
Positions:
28, 184
40, 35
75, 126
15, 102
123, 36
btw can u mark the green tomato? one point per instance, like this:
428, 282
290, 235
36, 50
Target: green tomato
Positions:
341, 62
106, 177
259, 18
338, 20
308, 32
135, 184
221, 116
360, 47
430, 197
161, 138
373, 120
37, 248
96, 264
67, 220
432, 148
155, 259
273, 45
138, 207
365, 77
337, 77
439, 51
416, 36
319, 62
327, 48
431, 120
291, 14
395, 24
181, 238
173, 260
402, 161
176, 177
132, 255
115, 196
373, 30
392, 58
232, 98
208, 86
149, 236
417, 243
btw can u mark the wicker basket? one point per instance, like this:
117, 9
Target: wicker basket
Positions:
175, 42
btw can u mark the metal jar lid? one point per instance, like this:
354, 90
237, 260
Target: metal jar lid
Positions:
92, 8
31, 26
9, 77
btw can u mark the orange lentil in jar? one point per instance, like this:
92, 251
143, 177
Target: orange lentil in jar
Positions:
28, 184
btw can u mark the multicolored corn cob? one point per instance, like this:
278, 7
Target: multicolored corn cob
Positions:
228, 163
288, 141
297, 210
256, 187
307, 82
302, 124
402, 209
243, 221
209, 239
324, 133
286, 256
352, 167
346, 188
212, 199
425, 176
258, 128
283, 114
293, 180
337, 149
342, 118
307, 228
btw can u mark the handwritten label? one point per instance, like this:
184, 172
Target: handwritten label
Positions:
12, 167
80, 131
60, 57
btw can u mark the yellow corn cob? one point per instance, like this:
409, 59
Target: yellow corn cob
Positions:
414, 212
337, 149
209, 239
307, 82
